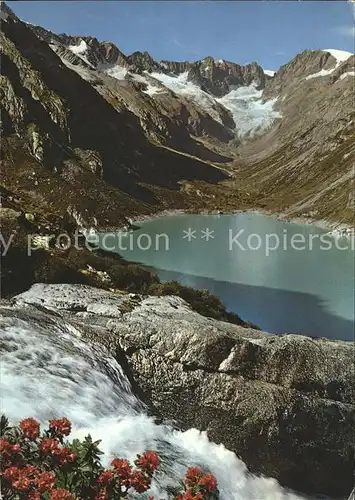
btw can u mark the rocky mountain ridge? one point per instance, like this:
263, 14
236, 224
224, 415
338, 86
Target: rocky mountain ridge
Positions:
213, 76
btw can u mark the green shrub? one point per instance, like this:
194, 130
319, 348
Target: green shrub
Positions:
132, 277
200, 300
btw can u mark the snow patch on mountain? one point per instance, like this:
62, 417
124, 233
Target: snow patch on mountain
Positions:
322, 72
181, 86
116, 71
79, 49
269, 72
348, 73
152, 90
339, 55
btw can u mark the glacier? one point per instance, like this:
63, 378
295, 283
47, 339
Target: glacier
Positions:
251, 114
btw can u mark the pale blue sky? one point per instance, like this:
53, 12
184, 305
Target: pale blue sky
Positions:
269, 32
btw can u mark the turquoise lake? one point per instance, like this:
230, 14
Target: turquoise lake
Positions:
284, 277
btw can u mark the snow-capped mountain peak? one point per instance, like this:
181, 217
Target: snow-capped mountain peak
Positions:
339, 55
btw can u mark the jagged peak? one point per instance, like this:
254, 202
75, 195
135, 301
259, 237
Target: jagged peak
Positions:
6, 13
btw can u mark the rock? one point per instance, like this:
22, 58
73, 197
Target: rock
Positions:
29, 217
9, 214
217, 77
38, 241
284, 404
75, 298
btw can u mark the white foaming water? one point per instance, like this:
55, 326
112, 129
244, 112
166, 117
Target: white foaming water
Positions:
47, 371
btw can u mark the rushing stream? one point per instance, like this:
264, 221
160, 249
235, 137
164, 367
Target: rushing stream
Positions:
47, 371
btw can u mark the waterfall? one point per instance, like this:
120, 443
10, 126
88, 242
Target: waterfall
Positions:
48, 371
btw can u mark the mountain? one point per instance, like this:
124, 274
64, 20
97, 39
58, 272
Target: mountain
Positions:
85, 157
304, 165
146, 135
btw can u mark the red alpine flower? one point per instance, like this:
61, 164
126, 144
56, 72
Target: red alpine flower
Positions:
61, 494
5, 446
122, 467
30, 428
34, 495
11, 474
139, 481
148, 462
106, 477
208, 482
22, 484
45, 481
30, 471
189, 495
102, 495
61, 426
50, 446
193, 476
66, 455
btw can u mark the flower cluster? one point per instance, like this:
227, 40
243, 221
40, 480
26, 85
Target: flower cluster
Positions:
59, 454
37, 466
197, 485
30, 428
29, 480
122, 473
60, 427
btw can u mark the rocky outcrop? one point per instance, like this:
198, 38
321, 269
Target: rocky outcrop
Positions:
143, 61
218, 77
96, 53
285, 404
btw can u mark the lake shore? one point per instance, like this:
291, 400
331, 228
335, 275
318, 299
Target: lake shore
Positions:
332, 226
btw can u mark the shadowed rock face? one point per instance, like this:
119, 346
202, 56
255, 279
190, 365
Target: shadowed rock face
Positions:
284, 404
